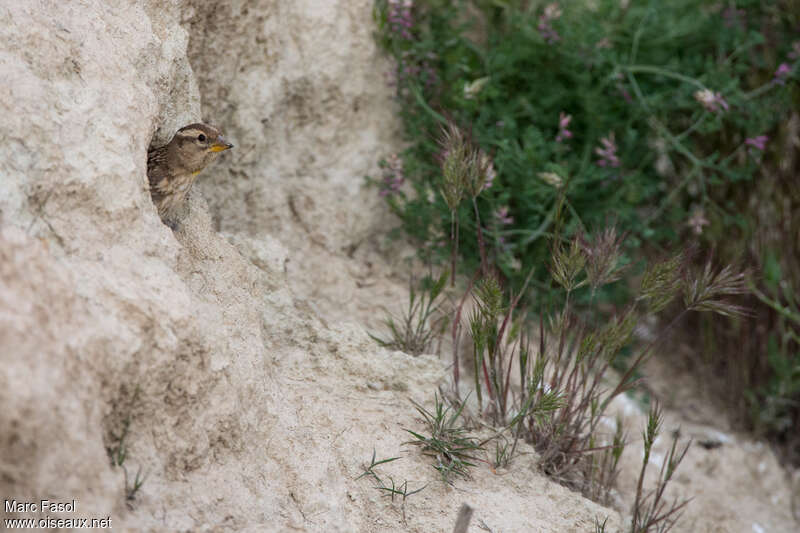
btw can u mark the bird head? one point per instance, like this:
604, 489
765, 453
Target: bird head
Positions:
197, 145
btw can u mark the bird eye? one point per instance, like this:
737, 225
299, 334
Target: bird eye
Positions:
201, 138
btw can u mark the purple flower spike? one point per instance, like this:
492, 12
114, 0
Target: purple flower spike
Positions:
563, 123
393, 176
608, 152
782, 73
400, 17
759, 143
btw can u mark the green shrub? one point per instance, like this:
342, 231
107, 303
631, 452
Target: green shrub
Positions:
634, 110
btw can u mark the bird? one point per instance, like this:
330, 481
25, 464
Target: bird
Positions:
173, 167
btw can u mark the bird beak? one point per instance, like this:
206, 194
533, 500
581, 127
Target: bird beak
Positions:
220, 145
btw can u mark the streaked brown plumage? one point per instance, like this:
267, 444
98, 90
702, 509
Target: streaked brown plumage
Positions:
172, 168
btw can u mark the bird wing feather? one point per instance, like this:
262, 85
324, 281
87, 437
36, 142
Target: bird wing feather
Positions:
157, 170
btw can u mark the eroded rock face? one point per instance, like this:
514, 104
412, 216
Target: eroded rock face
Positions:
301, 88
244, 409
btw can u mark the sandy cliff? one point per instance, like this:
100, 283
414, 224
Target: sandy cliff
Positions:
252, 399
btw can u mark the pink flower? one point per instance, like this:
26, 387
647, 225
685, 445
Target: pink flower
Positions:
400, 18
608, 153
782, 73
393, 176
545, 27
563, 123
759, 143
502, 217
710, 100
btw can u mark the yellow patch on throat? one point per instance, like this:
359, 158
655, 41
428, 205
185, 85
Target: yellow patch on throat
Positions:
196, 173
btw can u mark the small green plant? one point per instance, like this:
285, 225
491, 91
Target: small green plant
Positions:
422, 323
600, 527
503, 451
369, 469
118, 452
391, 489
651, 513
399, 490
603, 468
448, 443
132, 488
118, 448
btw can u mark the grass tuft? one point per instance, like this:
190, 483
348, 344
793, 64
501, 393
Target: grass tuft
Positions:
651, 512
422, 323
448, 442
392, 489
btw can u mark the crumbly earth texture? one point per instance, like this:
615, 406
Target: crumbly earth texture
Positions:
229, 360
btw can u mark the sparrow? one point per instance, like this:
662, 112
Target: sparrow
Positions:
173, 168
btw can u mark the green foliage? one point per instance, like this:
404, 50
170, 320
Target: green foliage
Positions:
675, 119
117, 448
637, 110
423, 321
448, 443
